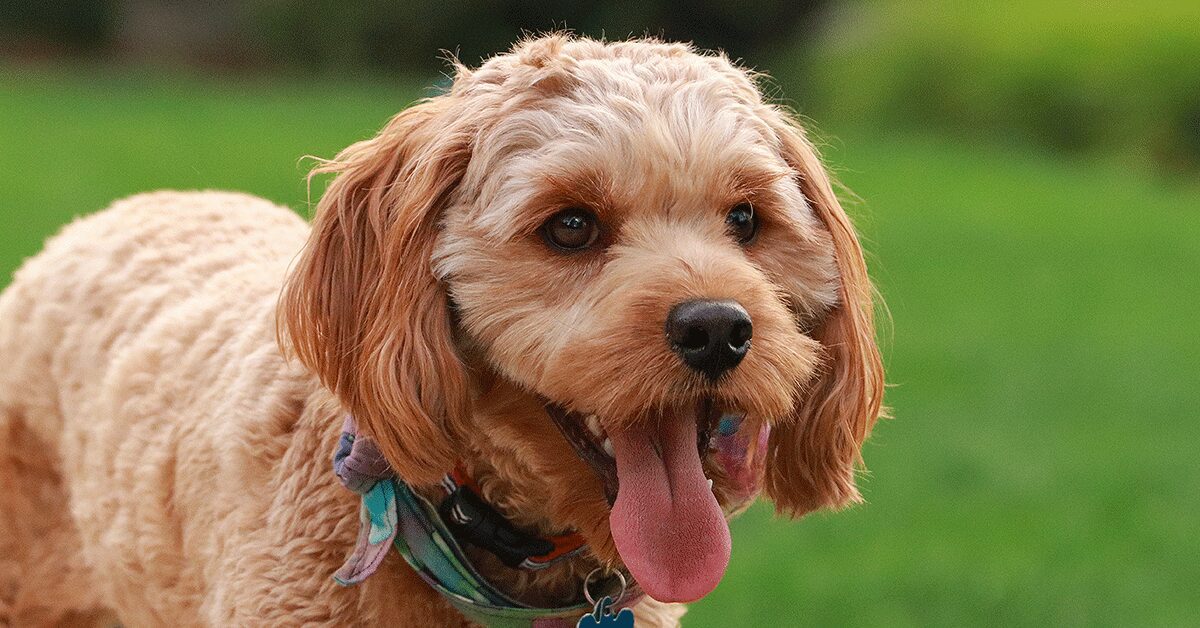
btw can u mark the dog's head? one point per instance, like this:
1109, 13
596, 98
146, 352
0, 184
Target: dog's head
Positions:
628, 234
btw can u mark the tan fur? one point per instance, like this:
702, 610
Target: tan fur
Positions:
164, 462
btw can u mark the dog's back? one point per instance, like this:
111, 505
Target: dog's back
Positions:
146, 322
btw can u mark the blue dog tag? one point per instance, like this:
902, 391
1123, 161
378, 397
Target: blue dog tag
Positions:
602, 616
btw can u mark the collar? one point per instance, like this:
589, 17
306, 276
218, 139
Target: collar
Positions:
429, 538
474, 521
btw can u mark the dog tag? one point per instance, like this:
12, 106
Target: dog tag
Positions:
603, 617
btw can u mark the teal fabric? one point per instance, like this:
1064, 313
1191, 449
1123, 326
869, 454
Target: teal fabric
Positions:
380, 503
377, 527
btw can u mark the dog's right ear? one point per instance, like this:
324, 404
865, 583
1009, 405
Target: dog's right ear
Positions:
362, 307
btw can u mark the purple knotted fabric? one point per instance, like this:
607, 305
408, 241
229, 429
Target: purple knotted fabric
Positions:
357, 461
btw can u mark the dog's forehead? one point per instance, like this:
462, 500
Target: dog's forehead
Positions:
645, 135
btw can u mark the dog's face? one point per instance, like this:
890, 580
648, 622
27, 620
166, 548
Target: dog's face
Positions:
627, 234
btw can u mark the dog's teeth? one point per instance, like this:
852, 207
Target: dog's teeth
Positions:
710, 484
593, 424
608, 448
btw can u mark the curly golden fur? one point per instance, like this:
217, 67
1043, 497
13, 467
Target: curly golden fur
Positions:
163, 461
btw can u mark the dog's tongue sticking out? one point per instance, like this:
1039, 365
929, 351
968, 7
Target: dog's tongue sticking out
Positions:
666, 522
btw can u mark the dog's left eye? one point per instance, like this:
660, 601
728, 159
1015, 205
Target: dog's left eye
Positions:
571, 229
742, 223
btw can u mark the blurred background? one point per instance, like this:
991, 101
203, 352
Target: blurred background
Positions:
1026, 176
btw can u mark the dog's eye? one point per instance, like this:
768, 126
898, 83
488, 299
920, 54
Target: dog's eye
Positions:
571, 229
742, 223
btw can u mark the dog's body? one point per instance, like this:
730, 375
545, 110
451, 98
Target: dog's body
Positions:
164, 462
151, 428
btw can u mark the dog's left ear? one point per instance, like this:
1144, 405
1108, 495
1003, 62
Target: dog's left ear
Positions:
362, 307
812, 456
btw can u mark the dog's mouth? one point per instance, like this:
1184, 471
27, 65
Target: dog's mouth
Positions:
665, 520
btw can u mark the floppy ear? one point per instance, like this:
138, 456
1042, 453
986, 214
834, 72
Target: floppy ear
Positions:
813, 455
362, 307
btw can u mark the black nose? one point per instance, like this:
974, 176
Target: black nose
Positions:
711, 336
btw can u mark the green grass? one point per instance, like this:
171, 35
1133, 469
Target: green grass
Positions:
1110, 79
1041, 466
72, 141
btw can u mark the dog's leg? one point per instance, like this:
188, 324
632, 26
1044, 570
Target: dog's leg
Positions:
655, 614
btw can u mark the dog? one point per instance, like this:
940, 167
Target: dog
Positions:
563, 280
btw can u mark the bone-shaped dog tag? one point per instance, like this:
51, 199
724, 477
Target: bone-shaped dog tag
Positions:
603, 617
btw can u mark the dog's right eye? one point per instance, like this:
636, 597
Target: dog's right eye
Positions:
742, 223
571, 229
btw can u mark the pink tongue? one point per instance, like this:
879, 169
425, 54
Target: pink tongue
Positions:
666, 522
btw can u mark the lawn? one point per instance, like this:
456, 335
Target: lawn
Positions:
1043, 349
